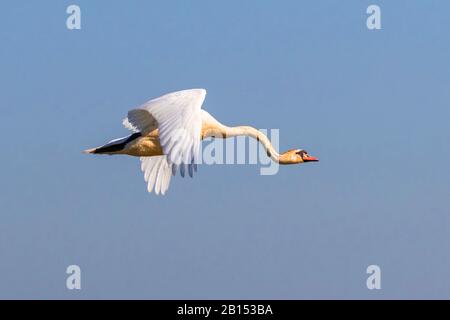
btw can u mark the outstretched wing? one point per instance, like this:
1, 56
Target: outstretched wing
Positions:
157, 173
177, 117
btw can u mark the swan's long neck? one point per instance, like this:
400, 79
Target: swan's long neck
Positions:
256, 134
213, 128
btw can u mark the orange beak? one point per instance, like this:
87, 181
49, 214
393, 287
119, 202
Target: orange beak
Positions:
309, 159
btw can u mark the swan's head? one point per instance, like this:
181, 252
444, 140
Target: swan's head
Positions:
296, 156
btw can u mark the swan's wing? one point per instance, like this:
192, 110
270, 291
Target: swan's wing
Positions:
157, 173
126, 123
178, 119
140, 120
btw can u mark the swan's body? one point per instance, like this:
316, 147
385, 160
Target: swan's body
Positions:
167, 135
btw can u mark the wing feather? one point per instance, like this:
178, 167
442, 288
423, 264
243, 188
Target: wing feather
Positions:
157, 173
177, 116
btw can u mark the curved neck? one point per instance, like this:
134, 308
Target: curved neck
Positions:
256, 134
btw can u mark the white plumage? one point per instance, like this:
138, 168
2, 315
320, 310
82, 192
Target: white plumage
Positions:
175, 146
177, 116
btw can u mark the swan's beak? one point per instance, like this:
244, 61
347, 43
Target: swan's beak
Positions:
309, 159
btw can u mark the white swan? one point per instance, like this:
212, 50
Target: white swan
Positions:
167, 134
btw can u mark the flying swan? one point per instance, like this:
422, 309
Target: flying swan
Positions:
167, 132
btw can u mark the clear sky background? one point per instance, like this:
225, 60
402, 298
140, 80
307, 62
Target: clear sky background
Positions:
372, 105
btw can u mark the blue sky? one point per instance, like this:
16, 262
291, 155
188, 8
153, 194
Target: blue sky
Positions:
372, 105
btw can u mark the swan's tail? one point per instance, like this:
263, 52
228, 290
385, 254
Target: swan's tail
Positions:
113, 147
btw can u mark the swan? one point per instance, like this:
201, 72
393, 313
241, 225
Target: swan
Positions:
167, 132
